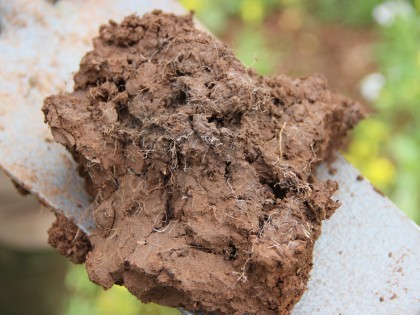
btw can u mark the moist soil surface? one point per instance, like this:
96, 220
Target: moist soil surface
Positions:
201, 170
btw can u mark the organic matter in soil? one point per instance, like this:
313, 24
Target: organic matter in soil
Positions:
201, 170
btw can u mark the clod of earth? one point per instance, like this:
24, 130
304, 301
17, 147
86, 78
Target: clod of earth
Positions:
68, 239
201, 170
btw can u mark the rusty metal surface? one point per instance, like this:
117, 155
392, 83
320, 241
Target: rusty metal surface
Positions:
41, 45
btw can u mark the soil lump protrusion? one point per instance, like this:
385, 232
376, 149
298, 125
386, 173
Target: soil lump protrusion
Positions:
68, 239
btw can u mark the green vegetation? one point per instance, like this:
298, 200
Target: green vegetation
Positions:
385, 147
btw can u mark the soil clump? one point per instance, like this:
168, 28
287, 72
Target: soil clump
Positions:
201, 170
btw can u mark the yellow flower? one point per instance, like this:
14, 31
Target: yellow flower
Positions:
252, 11
381, 172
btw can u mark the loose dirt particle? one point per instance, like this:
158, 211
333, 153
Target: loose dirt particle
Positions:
359, 177
376, 189
20, 188
201, 169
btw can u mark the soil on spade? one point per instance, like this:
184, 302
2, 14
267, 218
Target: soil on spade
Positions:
201, 170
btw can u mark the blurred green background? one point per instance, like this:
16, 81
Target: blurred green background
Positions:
367, 49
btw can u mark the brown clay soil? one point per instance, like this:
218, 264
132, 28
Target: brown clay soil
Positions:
68, 239
201, 169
